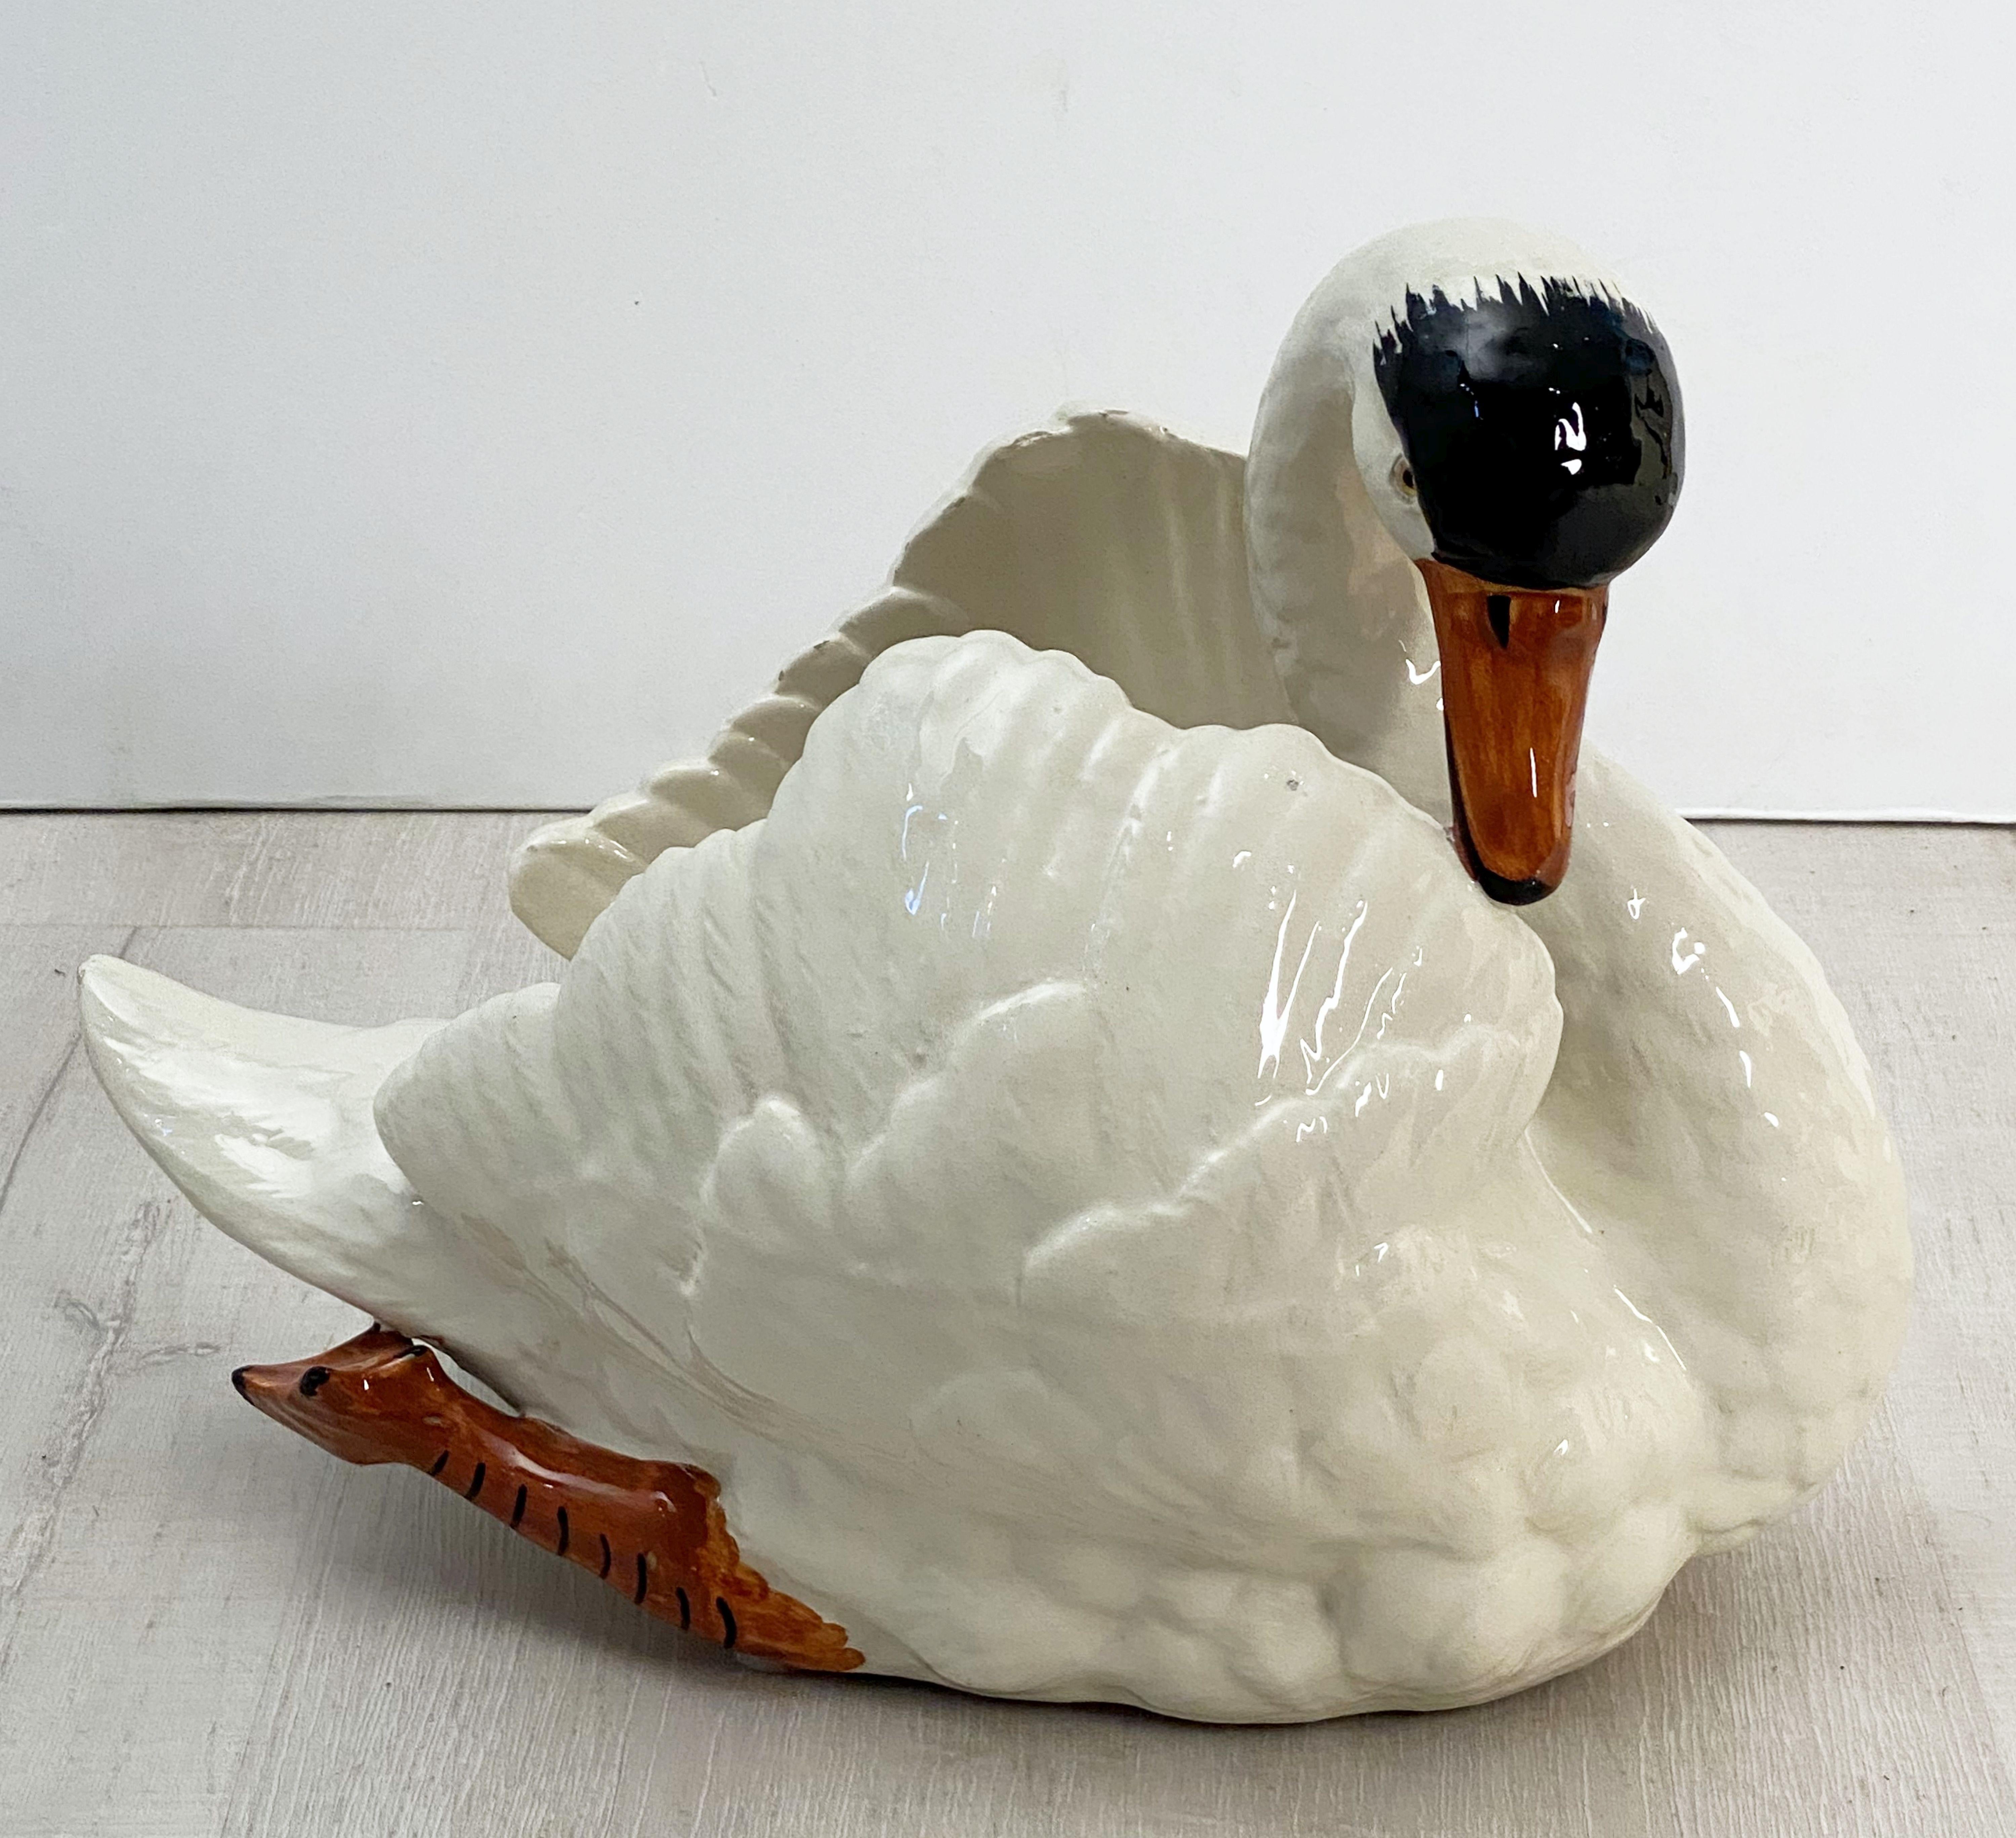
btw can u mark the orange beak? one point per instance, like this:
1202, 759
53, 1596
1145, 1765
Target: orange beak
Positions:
1516, 663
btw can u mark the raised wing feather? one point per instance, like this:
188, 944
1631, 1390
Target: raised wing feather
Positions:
1106, 536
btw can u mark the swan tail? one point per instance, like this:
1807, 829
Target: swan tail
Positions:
265, 1122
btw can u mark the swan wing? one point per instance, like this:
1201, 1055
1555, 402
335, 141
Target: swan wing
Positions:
1060, 960
1046, 1139
1104, 536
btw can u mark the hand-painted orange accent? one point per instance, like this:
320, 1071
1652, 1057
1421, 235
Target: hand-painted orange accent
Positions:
1516, 663
653, 1529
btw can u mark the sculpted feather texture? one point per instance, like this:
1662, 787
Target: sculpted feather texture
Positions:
1129, 1235
1136, 1125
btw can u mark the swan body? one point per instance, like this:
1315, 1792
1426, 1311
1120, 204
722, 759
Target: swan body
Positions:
1122, 1212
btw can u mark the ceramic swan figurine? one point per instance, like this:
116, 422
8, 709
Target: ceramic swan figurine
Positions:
1046, 1172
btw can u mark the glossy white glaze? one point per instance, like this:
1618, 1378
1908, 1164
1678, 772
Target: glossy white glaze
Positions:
1122, 1212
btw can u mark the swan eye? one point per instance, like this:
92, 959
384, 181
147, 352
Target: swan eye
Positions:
1403, 477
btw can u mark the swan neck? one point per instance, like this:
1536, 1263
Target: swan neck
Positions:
1341, 605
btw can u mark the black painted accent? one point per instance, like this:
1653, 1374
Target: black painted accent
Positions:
518, 1510
238, 1381
1498, 609
607, 1556
686, 1609
643, 1579
313, 1379
1510, 892
727, 1621
476, 1481
440, 1462
1543, 429
560, 1550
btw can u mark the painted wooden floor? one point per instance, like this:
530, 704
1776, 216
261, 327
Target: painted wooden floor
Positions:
207, 1627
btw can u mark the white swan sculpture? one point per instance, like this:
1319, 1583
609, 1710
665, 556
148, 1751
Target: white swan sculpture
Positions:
1103, 1205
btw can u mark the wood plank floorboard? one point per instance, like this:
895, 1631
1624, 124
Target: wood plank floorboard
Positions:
207, 1626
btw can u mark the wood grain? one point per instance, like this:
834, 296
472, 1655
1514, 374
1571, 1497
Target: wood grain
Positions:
256, 868
206, 1626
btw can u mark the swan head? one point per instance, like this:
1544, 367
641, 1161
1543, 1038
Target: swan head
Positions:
1514, 428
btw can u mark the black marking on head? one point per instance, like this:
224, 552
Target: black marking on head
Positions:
440, 1462
643, 1579
608, 1556
727, 1621
518, 1509
313, 1379
238, 1381
560, 1550
476, 1480
1543, 429
686, 1609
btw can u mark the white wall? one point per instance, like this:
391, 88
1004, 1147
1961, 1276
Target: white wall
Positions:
405, 401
